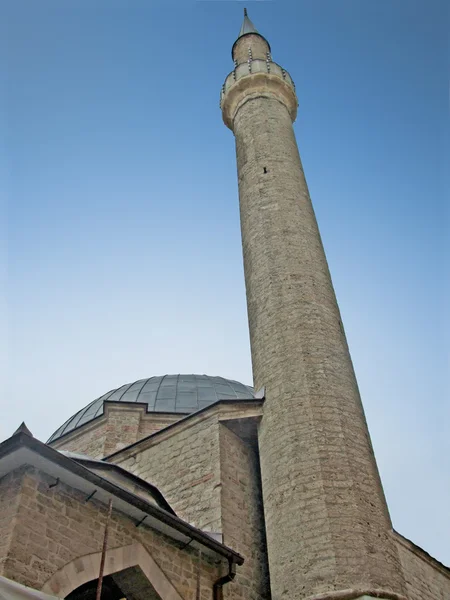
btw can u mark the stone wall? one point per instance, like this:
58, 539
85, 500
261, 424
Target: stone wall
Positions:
121, 425
10, 486
250, 46
210, 477
153, 422
242, 515
89, 439
184, 465
327, 522
54, 526
426, 578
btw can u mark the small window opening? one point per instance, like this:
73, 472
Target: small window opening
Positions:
265, 169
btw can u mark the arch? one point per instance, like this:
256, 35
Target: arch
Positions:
86, 568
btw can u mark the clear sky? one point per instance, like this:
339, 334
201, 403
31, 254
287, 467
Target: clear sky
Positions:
123, 255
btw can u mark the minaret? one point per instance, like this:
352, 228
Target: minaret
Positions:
327, 522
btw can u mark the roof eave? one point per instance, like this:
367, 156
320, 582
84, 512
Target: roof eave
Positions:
171, 521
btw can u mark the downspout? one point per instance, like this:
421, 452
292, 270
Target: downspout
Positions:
218, 585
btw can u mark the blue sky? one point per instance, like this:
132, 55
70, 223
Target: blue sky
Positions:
123, 255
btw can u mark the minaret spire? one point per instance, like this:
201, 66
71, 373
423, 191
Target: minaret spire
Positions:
249, 31
328, 529
247, 25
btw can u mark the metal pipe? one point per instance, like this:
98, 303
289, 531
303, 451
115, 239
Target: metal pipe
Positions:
102, 560
218, 585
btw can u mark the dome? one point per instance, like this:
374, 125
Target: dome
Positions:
182, 394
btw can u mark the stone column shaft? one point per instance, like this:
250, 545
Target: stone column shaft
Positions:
328, 526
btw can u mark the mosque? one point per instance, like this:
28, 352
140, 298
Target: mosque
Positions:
193, 487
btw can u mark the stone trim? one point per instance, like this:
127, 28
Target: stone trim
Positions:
253, 86
74, 434
421, 553
86, 568
102, 419
359, 594
216, 410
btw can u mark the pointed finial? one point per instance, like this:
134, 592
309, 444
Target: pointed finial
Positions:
247, 25
23, 429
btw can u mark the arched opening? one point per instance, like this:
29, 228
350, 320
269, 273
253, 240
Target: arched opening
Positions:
129, 584
130, 572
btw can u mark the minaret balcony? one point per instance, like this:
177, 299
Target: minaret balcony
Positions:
256, 77
255, 66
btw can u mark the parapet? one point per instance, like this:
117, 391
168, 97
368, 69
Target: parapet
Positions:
256, 78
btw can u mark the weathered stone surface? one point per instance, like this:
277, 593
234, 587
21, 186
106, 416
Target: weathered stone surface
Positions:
426, 578
211, 479
89, 439
54, 526
242, 515
120, 426
251, 45
184, 465
10, 487
327, 522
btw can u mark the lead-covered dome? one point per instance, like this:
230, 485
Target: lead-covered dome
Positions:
182, 394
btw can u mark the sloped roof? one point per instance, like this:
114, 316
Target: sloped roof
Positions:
22, 449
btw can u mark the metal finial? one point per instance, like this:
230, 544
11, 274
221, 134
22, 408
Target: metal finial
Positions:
247, 25
23, 429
